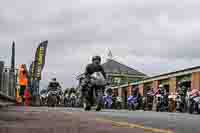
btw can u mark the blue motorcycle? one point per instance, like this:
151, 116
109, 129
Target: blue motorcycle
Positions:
133, 102
108, 102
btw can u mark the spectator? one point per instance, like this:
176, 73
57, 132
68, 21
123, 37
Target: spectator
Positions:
23, 81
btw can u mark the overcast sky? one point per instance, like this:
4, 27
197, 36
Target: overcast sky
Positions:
153, 36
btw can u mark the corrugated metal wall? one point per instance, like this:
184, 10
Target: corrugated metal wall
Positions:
8, 82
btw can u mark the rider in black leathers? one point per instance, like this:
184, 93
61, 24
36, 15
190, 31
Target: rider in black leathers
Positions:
54, 85
95, 66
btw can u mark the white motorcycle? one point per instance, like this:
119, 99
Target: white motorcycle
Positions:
43, 99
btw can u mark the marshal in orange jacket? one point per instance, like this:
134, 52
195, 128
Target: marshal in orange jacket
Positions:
23, 81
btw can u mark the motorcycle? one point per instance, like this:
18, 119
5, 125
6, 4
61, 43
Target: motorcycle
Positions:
108, 102
172, 103
66, 100
52, 99
79, 101
194, 104
97, 80
43, 99
119, 102
148, 101
133, 102
160, 103
194, 101
73, 100
180, 103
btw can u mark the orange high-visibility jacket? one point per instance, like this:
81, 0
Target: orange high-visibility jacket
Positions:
23, 81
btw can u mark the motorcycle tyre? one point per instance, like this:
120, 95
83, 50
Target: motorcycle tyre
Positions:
119, 106
52, 101
198, 109
72, 104
191, 110
157, 108
131, 107
182, 109
65, 103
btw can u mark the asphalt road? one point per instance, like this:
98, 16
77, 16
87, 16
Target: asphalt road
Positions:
66, 120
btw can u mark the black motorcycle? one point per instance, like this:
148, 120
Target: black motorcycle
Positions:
161, 103
194, 104
148, 102
66, 100
98, 83
43, 97
73, 100
52, 98
180, 103
118, 103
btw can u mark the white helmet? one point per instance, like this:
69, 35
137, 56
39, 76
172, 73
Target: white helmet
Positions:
161, 86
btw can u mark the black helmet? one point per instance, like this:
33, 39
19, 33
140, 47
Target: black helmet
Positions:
96, 58
53, 79
66, 90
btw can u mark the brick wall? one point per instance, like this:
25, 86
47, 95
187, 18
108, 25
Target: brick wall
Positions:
172, 84
141, 89
155, 85
195, 84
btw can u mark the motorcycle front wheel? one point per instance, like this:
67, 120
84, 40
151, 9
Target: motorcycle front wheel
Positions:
131, 107
157, 108
52, 100
198, 109
119, 106
191, 109
65, 103
183, 108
